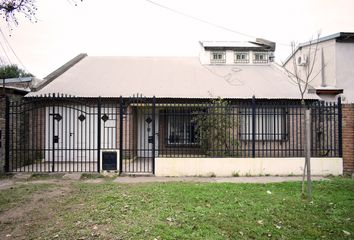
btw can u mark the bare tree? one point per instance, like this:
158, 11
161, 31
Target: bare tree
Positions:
303, 74
10, 9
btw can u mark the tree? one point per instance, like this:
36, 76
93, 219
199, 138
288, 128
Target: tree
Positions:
303, 72
215, 129
13, 71
10, 8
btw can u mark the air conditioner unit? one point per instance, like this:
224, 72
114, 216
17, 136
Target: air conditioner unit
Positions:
302, 60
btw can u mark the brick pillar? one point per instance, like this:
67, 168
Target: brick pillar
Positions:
348, 138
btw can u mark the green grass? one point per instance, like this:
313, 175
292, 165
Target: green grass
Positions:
203, 211
18, 194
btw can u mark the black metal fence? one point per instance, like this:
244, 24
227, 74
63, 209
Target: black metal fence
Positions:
248, 129
61, 134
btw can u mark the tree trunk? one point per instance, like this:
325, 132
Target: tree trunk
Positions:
303, 178
308, 152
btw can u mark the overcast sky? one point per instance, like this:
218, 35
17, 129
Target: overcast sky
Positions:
140, 28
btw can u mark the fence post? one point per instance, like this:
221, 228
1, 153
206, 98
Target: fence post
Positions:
120, 134
153, 133
53, 132
340, 140
7, 134
99, 134
253, 126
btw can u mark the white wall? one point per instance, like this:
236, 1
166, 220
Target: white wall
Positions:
345, 70
328, 72
244, 166
77, 140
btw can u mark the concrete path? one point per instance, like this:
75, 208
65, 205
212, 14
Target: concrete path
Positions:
269, 179
6, 183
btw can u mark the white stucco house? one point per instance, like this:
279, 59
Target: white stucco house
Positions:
333, 71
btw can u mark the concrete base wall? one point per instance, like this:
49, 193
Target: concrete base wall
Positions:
245, 166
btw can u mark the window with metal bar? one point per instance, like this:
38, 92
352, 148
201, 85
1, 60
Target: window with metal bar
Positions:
270, 124
241, 57
218, 57
180, 128
260, 57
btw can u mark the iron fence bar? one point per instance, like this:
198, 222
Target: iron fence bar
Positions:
53, 136
340, 140
121, 134
253, 126
153, 133
7, 134
99, 134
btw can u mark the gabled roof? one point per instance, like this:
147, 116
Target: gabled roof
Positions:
60, 71
170, 77
339, 37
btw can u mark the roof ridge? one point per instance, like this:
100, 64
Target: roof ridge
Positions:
53, 75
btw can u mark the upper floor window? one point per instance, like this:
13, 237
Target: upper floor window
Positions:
260, 57
241, 57
218, 57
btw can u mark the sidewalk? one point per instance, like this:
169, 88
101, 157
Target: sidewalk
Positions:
270, 179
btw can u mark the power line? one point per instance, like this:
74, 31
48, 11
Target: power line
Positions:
7, 56
12, 50
205, 21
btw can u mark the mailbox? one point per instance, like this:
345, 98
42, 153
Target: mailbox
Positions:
109, 160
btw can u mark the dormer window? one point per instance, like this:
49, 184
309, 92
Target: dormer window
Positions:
218, 57
260, 57
241, 57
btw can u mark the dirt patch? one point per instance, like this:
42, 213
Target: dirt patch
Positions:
97, 180
17, 222
6, 183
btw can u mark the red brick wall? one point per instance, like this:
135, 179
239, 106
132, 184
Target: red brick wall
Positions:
348, 138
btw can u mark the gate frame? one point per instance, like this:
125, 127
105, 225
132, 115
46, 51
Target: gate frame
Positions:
123, 104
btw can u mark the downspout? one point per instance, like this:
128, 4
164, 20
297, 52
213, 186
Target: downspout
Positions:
323, 77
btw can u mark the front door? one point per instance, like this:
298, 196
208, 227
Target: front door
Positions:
145, 133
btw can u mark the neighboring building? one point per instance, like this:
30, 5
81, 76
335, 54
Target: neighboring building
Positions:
333, 71
16, 86
15, 89
93, 106
333, 76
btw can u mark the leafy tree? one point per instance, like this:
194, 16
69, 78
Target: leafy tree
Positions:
215, 128
13, 71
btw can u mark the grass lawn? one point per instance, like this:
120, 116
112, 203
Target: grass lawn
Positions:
109, 210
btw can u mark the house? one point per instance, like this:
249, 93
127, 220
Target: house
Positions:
333, 65
230, 110
333, 77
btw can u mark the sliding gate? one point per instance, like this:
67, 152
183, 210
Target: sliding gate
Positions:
80, 135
